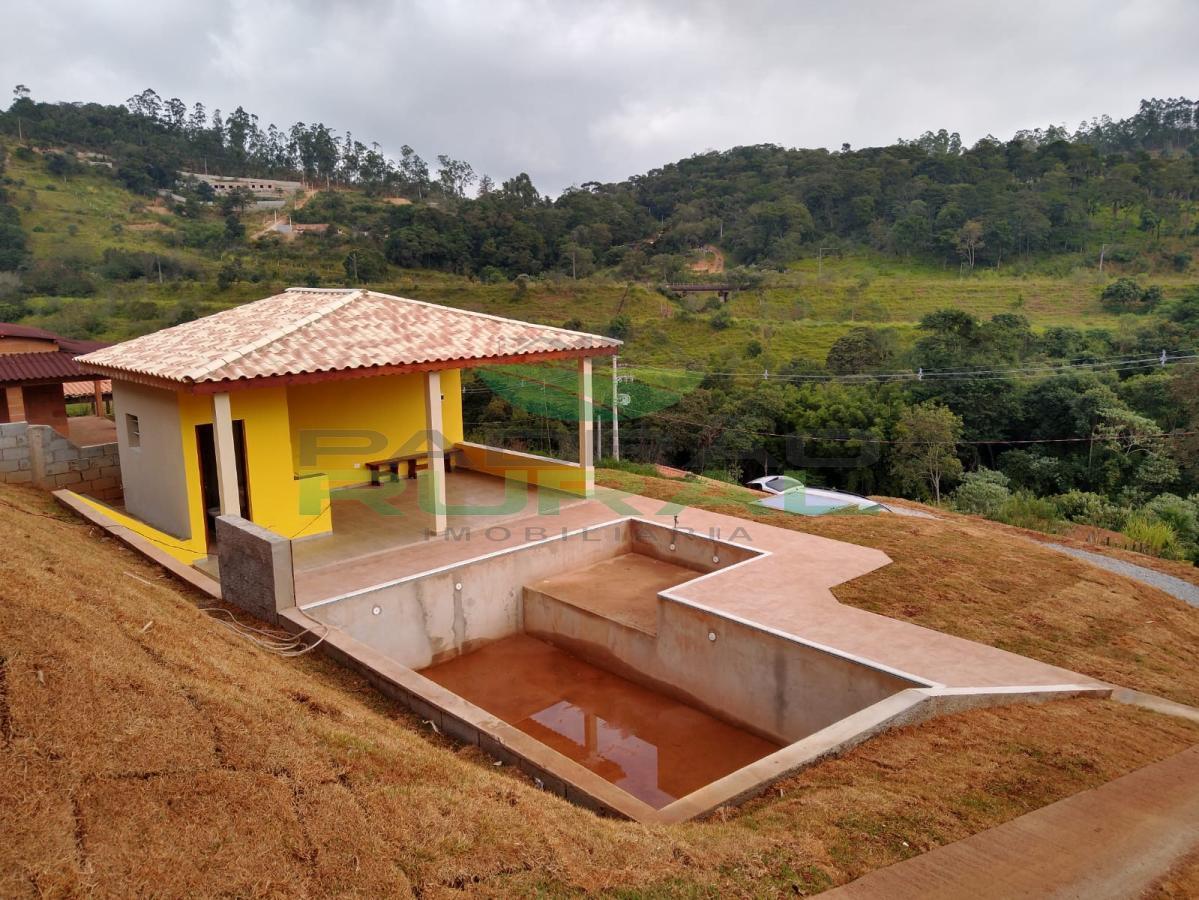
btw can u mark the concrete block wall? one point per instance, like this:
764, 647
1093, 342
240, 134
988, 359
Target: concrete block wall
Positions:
39, 455
255, 567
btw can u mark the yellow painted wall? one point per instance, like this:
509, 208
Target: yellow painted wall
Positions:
391, 408
541, 471
186, 550
278, 502
338, 426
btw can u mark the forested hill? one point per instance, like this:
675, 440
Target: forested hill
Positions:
1123, 187
1013, 325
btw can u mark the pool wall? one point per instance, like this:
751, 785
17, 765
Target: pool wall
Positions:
434, 616
775, 686
771, 684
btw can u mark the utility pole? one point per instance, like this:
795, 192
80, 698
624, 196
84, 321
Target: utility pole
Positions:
1102, 252
615, 413
820, 261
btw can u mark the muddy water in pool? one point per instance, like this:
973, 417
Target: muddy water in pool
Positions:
652, 746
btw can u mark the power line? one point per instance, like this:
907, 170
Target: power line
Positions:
1124, 363
868, 440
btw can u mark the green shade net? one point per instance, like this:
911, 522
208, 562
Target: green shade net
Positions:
553, 391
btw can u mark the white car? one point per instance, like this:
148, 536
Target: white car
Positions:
791, 495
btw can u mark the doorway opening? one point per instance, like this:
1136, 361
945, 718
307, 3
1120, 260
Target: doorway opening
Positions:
209, 486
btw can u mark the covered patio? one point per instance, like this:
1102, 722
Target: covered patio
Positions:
383, 533
284, 411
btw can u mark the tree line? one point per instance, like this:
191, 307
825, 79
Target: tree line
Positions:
1121, 188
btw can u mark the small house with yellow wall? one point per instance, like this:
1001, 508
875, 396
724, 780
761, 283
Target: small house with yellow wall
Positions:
268, 410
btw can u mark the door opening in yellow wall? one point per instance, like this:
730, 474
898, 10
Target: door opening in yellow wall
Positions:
209, 487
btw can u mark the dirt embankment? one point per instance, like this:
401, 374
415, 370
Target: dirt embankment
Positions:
145, 748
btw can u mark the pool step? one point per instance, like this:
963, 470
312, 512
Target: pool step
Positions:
623, 589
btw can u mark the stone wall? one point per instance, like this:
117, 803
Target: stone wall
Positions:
255, 567
39, 455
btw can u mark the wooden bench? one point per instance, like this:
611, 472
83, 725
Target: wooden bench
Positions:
409, 460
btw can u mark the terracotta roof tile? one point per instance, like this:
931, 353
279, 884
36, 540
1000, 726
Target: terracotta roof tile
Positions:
85, 389
310, 330
35, 368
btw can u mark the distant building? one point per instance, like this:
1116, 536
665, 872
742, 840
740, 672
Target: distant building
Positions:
34, 367
261, 188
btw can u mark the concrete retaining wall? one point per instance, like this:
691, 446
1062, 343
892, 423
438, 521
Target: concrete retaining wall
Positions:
39, 455
777, 687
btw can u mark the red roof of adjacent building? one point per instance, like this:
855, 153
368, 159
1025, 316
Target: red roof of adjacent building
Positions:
49, 365
85, 390
335, 333
39, 368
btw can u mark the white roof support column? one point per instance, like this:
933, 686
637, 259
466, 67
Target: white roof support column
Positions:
435, 434
226, 455
586, 416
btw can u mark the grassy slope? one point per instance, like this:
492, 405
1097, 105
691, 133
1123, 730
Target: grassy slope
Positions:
988, 583
798, 313
144, 748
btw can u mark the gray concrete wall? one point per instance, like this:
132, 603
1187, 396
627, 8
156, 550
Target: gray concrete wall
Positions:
693, 550
773, 686
39, 455
155, 489
255, 567
429, 619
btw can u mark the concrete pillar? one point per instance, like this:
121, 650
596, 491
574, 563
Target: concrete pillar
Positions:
435, 434
226, 455
586, 414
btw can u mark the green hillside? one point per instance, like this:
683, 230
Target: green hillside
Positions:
794, 314
1042, 399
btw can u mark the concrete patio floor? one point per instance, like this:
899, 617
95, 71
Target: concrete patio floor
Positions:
788, 590
87, 431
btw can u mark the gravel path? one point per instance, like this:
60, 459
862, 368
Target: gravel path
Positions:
909, 511
1175, 587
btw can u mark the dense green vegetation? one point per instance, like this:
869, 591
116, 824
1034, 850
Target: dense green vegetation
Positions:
986, 324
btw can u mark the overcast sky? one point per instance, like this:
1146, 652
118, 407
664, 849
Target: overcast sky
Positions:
572, 92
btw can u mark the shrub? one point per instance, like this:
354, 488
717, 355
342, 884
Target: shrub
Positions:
1153, 537
227, 275
1126, 294
129, 265
1180, 514
722, 320
65, 278
620, 327
981, 493
1025, 510
1087, 508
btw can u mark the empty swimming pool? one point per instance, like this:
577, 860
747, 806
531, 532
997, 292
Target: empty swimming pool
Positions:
580, 658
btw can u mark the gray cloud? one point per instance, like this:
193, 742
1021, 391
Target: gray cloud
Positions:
574, 92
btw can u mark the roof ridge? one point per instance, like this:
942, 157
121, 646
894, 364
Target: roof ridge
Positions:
493, 317
212, 365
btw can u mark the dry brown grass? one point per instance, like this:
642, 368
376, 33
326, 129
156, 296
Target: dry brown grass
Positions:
989, 583
145, 749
